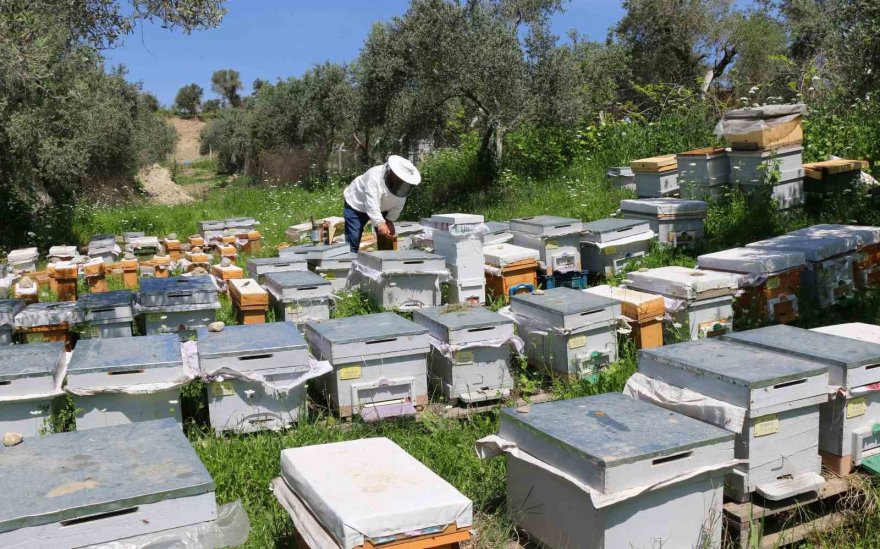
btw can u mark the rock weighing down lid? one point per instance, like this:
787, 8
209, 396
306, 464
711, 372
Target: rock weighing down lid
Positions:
546, 225
684, 283
734, 363
124, 353
177, 291
22, 255
371, 488
500, 255
46, 314
853, 330
816, 245
753, 260
866, 235
605, 431
8, 309
453, 318
31, 360
664, 206
356, 329
68, 476
234, 341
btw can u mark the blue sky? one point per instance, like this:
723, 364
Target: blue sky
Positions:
269, 39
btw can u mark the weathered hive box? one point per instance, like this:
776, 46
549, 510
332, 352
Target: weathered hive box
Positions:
119, 380
335, 269
608, 244
407, 233
176, 304
104, 247
763, 128
257, 267
676, 222
211, 228
196, 240
29, 293
643, 312
703, 172
770, 400
583, 471
556, 238
39, 322
94, 488
769, 280
30, 379
299, 296
656, 176
249, 241
173, 248
848, 417
240, 224
8, 309
159, 266
95, 274
314, 251
866, 264
62, 253
621, 177
458, 238
246, 364
379, 364
755, 167
831, 179
497, 232
128, 236
470, 352
403, 279
829, 273
104, 315
700, 301
24, 260
227, 250
336, 506
510, 270
144, 247
229, 272
569, 331
250, 301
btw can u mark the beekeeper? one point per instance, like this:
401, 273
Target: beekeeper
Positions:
378, 196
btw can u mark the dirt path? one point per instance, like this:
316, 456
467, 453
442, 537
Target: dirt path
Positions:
188, 130
157, 183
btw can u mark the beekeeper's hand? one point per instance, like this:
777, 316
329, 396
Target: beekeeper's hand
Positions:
384, 230
391, 227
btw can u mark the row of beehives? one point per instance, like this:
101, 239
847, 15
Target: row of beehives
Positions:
753, 415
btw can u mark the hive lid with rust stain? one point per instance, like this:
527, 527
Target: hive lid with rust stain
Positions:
67, 476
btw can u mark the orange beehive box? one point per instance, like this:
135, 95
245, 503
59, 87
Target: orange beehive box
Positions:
228, 251
129, 273
866, 269
644, 313
250, 301
196, 240
66, 282
227, 273
655, 164
199, 257
781, 135
54, 332
518, 277
95, 274
172, 248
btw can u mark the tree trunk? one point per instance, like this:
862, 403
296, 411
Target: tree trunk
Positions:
489, 155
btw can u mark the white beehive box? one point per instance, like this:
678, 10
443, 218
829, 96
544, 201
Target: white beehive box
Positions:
104, 247
51, 313
277, 351
829, 273
777, 398
94, 488
405, 279
176, 304
105, 314
240, 224
97, 365
407, 233
702, 301
572, 332
756, 167
379, 364
467, 291
24, 259
335, 269
557, 239
62, 253
608, 244
29, 379
8, 309
497, 232
606, 445
621, 177
458, 239
848, 418
299, 297
707, 167
257, 267
656, 184
314, 251
677, 222
501, 255
470, 355
336, 506
128, 236
211, 228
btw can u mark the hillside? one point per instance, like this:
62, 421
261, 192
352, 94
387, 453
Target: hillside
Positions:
188, 130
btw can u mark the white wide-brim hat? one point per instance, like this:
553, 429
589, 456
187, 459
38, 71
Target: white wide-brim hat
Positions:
404, 170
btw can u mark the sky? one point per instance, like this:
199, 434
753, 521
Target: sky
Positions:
273, 39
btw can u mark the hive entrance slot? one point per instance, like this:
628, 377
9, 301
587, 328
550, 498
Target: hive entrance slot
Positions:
667, 459
789, 384
257, 357
125, 372
377, 341
99, 516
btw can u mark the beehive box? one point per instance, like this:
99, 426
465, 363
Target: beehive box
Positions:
128, 236
379, 364
676, 222
144, 247
610, 444
257, 267
104, 315
8, 309
240, 224
173, 248
407, 233
866, 264
701, 302
458, 239
314, 251
299, 296
335, 269
776, 398
177, 304
608, 244
29, 381
403, 279
250, 301
831, 179
510, 270
847, 419
467, 291
497, 232
770, 280
39, 322
829, 273
99, 364
24, 259
571, 332
621, 177
643, 312
706, 167
277, 352
230, 272
470, 354
62, 253
104, 247
93, 488
211, 228
756, 167
336, 506
557, 239
763, 128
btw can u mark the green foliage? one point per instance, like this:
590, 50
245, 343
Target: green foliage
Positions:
188, 100
227, 84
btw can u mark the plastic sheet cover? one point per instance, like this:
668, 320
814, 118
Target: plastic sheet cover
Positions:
317, 368
189, 372
448, 349
743, 121
60, 375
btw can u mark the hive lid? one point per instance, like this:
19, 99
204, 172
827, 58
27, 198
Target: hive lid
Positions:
500, 255
705, 152
315, 251
684, 283
753, 260
866, 235
539, 223
172, 285
365, 328
294, 279
612, 429
816, 246
23, 254
663, 206
610, 225
565, 301
402, 255
458, 219
655, 164
248, 339
8, 309
734, 363
117, 298
826, 348
67, 476
404, 228
120, 353
46, 314
31, 360
620, 171
642, 305
102, 238
260, 261
240, 221
463, 317
765, 112
63, 251
854, 330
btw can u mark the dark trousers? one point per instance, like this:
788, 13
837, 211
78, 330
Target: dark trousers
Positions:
354, 226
